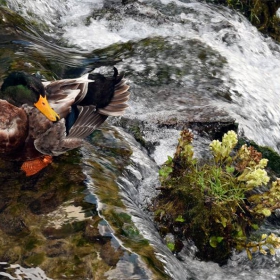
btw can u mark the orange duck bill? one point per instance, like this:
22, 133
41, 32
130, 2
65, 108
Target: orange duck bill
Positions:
44, 107
31, 167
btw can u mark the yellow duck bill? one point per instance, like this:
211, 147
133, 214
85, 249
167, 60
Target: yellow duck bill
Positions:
44, 107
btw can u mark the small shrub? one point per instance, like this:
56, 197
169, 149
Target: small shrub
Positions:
214, 203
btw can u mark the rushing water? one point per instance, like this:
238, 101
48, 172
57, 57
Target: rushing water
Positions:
185, 60
237, 71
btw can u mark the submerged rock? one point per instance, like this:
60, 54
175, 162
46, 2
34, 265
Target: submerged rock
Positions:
51, 220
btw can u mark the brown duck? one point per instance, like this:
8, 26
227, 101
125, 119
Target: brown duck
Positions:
43, 119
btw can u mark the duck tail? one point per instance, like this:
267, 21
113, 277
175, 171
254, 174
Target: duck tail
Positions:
118, 103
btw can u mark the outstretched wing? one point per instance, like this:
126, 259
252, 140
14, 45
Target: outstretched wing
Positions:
62, 94
90, 117
88, 120
118, 104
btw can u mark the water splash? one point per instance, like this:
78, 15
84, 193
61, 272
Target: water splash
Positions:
20, 273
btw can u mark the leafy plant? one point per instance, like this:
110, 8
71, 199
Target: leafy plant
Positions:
213, 203
171, 246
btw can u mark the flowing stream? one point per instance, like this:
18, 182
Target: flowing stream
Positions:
185, 60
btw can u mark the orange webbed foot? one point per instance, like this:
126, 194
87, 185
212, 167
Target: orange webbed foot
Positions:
31, 167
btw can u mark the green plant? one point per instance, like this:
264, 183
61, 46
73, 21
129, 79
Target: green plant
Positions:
212, 203
265, 243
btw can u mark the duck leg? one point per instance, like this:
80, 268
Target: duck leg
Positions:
32, 167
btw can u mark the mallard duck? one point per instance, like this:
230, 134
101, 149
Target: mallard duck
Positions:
41, 119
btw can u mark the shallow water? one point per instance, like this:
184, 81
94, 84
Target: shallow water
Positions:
184, 60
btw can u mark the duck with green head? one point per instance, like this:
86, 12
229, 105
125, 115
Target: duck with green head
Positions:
20, 88
44, 119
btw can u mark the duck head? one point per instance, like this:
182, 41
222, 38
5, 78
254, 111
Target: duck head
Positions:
21, 88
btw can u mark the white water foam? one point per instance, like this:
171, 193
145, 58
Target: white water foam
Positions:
20, 273
253, 61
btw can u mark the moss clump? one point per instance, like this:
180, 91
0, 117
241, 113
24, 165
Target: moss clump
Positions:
214, 203
35, 259
31, 242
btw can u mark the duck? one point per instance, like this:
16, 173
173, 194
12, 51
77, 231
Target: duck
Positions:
42, 119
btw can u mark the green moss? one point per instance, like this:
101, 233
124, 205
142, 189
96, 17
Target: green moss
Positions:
35, 259
126, 227
31, 242
80, 241
171, 246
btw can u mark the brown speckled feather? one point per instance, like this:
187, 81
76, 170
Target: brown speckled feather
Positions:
53, 141
13, 127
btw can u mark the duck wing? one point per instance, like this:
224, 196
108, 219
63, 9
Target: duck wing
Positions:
54, 141
88, 120
62, 94
107, 97
117, 105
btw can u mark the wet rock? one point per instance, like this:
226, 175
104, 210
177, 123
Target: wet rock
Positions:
46, 203
12, 223
56, 248
110, 254
214, 130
